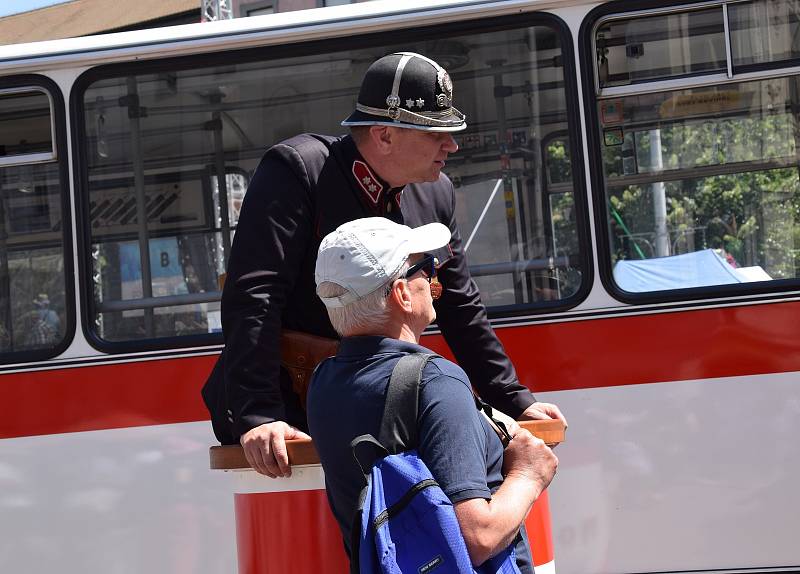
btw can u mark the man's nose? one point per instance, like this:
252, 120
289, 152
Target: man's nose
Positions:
449, 145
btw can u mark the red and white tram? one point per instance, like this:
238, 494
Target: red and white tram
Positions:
629, 190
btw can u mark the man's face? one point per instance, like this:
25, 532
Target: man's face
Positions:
421, 155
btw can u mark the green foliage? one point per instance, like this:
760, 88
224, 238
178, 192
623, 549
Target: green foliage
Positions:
751, 212
559, 167
562, 211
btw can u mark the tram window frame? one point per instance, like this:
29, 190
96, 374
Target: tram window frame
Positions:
592, 97
772, 64
637, 50
268, 53
39, 83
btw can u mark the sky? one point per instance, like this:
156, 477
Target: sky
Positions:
8, 7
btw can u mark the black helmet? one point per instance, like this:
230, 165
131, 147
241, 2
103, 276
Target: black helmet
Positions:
407, 90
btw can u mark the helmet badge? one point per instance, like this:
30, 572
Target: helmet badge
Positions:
444, 100
393, 103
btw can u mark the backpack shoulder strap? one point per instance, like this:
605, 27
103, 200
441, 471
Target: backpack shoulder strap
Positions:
399, 423
398, 432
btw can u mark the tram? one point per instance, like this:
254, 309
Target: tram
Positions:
628, 194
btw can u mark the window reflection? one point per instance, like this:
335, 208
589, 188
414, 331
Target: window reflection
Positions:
26, 124
764, 31
663, 46
32, 278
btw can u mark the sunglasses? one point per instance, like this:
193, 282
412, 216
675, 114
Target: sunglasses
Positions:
427, 266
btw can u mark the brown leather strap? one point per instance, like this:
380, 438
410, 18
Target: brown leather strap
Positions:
300, 355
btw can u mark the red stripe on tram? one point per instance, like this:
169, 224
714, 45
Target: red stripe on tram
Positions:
571, 355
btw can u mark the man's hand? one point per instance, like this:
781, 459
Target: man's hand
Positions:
488, 526
540, 411
528, 457
265, 447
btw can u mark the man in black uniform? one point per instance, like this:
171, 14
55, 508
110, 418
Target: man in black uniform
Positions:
303, 189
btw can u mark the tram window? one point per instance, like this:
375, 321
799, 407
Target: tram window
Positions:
764, 31
33, 303
661, 46
702, 185
26, 133
504, 209
156, 142
33, 300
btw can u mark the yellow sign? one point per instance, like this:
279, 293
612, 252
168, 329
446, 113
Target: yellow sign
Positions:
682, 105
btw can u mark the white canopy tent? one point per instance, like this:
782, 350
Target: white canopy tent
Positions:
696, 269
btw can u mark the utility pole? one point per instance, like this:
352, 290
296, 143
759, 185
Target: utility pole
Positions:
212, 10
662, 243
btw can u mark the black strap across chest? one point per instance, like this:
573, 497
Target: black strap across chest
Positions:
398, 430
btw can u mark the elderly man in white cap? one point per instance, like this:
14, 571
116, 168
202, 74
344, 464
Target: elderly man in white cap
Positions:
375, 278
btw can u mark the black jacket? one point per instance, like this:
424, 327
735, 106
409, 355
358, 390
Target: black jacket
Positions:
303, 189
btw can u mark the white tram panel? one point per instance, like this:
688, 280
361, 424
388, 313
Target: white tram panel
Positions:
691, 475
120, 501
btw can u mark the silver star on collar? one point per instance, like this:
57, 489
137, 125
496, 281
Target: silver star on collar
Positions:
420, 102
410, 103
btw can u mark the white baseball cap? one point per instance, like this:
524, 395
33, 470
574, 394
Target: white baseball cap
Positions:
362, 255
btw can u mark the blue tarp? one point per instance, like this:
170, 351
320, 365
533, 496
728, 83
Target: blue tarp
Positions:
696, 269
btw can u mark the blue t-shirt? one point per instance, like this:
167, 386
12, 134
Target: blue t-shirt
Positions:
346, 399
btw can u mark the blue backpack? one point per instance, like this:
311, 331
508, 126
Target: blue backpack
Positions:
405, 524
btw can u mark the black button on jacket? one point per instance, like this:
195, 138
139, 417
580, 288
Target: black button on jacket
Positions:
303, 189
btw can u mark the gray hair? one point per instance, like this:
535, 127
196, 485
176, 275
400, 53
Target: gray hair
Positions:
368, 314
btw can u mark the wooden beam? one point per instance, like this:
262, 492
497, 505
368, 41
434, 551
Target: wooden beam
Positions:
231, 457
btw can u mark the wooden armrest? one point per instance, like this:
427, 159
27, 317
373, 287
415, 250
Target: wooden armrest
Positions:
551, 431
232, 457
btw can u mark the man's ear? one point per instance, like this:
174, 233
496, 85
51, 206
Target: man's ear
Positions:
400, 295
382, 138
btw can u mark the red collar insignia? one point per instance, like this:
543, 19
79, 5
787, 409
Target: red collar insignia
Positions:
367, 181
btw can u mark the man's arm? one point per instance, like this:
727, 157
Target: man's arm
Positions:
272, 235
489, 526
453, 444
